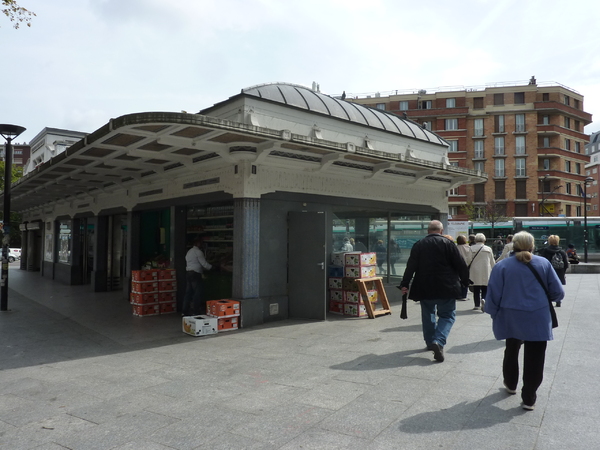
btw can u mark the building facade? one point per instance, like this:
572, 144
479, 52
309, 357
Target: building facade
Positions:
20, 154
49, 143
529, 138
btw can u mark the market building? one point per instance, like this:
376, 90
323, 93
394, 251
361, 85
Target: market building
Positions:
268, 178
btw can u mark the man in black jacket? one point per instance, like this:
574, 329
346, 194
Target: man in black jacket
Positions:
439, 273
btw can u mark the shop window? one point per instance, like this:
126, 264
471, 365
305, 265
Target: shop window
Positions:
64, 241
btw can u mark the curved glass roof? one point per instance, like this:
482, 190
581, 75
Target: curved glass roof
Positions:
305, 98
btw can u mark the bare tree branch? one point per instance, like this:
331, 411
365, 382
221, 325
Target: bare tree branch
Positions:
16, 14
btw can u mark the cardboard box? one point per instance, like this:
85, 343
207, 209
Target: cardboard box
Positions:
359, 271
168, 308
228, 323
336, 307
199, 325
167, 286
335, 282
142, 299
335, 271
360, 259
337, 258
167, 297
151, 309
349, 284
222, 308
144, 275
144, 287
355, 297
166, 274
336, 295
354, 309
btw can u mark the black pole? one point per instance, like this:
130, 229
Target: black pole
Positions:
6, 225
585, 228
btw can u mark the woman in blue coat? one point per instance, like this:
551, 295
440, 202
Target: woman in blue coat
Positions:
521, 314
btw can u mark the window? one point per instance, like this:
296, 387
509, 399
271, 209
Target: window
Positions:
578, 211
521, 209
500, 190
546, 142
545, 97
479, 166
452, 192
567, 144
519, 98
498, 99
520, 145
499, 124
568, 210
521, 189
577, 147
567, 166
577, 126
499, 145
546, 164
520, 123
403, 105
478, 103
453, 146
568, 188
499, 168
567, 122
545, 120
451, 124
576, 103
453, 210
578, 168
450, 103
425, 104
380, 106
480, 192
567, 100
479, 150
427, 125
478, 126
520, 167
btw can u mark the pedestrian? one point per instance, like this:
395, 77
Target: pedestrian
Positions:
196, 264
471, 239
498, 246
347, 246
507, 248
437, 272
394, 255
380, 255
572, 254
558, 259
481, 261
465, 251
520, 307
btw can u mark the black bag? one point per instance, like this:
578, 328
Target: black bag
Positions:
552, 311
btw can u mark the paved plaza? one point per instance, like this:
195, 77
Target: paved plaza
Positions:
78, 371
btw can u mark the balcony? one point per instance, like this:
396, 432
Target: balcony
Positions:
561, 107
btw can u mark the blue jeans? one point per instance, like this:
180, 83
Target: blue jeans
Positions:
446, 313
192, 301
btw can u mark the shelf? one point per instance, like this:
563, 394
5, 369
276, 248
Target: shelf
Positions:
210, 217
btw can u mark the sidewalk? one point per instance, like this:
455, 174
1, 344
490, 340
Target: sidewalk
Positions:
78, 371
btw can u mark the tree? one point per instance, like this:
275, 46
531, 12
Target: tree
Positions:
15, 218
16, 14
491, 212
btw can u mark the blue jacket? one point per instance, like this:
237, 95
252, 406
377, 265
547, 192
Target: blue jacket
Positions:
516, 301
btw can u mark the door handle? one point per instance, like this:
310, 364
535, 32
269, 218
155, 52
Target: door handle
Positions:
322, 264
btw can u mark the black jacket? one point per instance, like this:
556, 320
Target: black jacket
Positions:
549, 252
438, 269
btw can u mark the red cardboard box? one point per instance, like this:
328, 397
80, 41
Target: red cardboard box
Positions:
144, 275
144, 287
228, 324
143, 299
223, 308
168, 308
167, 286
166, 274
166, 297
336, 307
146, 310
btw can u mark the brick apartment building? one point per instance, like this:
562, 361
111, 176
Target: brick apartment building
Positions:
20, 154
529, 137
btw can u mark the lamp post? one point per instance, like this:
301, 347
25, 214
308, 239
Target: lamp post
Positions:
8, 132
585, 228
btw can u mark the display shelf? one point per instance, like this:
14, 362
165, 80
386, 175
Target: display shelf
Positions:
210, 217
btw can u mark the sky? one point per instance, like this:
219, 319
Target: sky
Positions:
83, 62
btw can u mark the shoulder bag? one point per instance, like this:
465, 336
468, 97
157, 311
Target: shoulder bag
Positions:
552, 311
469, 266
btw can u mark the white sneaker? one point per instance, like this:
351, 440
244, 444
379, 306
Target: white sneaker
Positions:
482, 305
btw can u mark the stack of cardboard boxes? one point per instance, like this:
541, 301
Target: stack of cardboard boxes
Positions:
221, 315
153, 292
344, 296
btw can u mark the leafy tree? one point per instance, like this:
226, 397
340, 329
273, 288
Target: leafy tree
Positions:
15, 218
491, 212
16, 14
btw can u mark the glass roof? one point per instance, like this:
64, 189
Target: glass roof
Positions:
305, 98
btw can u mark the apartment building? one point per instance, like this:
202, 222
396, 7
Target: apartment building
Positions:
20, 154
528, 137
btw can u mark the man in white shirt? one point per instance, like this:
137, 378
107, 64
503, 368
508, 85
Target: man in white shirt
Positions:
195, 264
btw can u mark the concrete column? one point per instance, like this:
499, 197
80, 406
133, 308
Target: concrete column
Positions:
246, 245
100, 272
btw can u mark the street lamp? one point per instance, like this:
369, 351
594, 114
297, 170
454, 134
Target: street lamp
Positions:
585, 228
8, 132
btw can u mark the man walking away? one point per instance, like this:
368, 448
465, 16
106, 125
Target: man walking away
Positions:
439, 273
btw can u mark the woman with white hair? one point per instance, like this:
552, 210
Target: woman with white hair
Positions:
519, 301
481, 261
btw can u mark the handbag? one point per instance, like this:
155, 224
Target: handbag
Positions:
552, 311
471, 288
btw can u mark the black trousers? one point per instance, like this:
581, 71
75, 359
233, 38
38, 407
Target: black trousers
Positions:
479, 292
534, 357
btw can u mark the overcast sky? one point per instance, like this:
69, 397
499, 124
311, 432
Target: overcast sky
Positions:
83, 62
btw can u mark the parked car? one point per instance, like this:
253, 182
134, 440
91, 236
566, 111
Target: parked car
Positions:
14, 254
